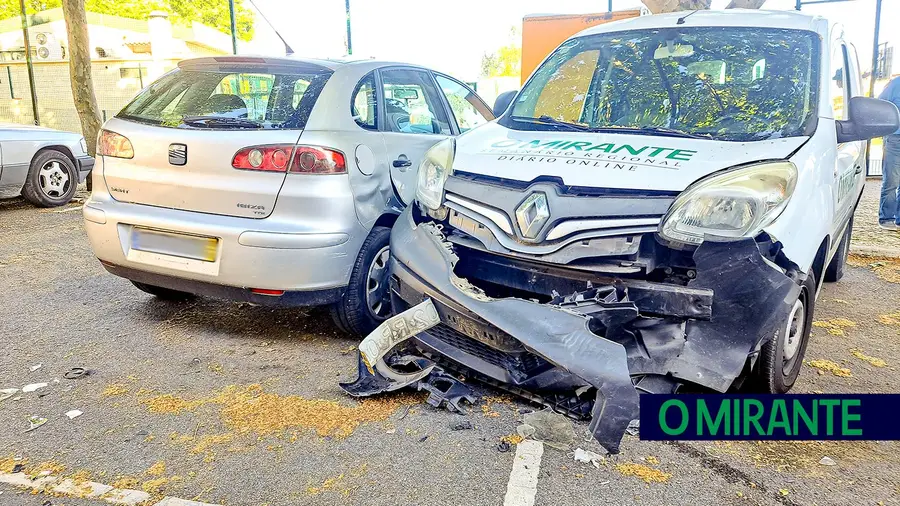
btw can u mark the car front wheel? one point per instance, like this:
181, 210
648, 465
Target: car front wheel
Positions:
781, 358
51, 180
367, 303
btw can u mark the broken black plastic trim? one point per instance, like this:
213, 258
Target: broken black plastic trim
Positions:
561, 337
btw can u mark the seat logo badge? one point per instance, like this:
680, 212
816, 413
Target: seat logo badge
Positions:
532, 214
177, 154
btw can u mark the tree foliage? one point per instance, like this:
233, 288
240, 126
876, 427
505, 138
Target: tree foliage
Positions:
506, 61
212, 13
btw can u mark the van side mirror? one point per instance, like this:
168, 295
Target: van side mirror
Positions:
501, 104
869, 118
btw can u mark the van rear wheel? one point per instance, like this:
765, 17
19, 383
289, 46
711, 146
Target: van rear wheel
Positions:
367, 303
781, 358
163, 293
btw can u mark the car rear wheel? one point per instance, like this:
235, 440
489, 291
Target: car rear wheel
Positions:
835, 270
52, 179
781, 358
367, 303
162, 293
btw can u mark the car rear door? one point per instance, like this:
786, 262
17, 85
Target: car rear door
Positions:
415, 119
186, 129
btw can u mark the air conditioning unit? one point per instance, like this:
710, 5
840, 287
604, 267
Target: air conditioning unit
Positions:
47, 47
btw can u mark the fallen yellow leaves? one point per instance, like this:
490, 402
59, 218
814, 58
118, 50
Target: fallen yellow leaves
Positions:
157, 469
512, 439
826, 366
169, 404
889, 319
835, 326
651, 460
874, 361
46, 468
115, 389
129, 482
646, 473
885, 268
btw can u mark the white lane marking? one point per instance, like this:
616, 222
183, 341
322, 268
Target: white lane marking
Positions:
90, 489
522, 486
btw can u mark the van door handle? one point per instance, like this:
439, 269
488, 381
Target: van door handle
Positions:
402, 163
858, 169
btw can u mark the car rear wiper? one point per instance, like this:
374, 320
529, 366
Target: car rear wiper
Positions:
547, 120
671, 132
214, 121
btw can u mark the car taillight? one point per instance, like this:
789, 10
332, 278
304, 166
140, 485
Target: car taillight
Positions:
115, 145
273, 158
293, 159
316, 160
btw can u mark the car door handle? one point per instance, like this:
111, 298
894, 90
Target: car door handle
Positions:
858, 169
402, 163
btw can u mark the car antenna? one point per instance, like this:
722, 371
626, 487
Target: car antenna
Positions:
682, 18
287, 48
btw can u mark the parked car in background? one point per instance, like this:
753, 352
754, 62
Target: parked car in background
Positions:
43, 165
654, 212
270, 180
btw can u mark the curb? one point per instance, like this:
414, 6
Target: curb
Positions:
871, 250
90, 490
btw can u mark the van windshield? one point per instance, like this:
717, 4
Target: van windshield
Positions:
723, 83
255, 99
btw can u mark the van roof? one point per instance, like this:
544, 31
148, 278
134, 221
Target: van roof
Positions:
730, 17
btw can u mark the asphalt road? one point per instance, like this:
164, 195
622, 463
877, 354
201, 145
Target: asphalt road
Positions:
241, 404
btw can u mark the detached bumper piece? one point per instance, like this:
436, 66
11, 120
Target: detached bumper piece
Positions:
589, 352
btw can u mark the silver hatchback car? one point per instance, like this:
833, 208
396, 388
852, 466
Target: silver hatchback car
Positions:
270, 180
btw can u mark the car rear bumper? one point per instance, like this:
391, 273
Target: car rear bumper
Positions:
250, 253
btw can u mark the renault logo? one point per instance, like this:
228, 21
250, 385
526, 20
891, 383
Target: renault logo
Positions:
532, 214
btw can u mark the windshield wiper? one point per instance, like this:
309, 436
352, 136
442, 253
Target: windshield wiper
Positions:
671, 132
214, 121
547, 120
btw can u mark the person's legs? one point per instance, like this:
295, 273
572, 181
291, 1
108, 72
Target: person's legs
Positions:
890, 179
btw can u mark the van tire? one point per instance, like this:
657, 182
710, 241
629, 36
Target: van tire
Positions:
835, 270
353, 314
163, 293
770, 375
47, 166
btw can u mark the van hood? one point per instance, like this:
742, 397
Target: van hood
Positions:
603, 160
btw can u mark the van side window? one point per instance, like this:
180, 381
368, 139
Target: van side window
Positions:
838, 82
363, 106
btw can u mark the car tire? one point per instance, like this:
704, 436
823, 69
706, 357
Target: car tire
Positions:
781, 359
52, 179
835, 270
163, 293
366, 302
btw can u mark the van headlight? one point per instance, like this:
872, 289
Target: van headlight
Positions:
732, 205
434, 170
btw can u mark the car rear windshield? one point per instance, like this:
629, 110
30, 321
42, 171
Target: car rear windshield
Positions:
726, 83
228, 99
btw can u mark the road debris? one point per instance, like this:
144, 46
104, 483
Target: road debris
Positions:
34, 422
503, 446
32, 387
6, 393
827, 461
551, 428
634, 428
826, 366
461, 425
35, 367
588, 457
75, 373
73, 414
525, 430
873, 361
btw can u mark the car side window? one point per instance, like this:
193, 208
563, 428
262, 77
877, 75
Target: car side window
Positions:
412, 104
838, 82
468, 110
363, 107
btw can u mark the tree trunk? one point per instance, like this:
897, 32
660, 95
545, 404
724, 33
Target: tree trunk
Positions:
79, 53
663, 6
745, 4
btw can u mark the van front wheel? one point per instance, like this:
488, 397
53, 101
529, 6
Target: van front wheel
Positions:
835, 270
781, 358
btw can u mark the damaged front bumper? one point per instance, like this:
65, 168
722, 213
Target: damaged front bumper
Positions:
610, 340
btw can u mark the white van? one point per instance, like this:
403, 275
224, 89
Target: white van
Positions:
655, 211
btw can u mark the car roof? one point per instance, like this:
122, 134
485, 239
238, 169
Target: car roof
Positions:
729, 17
296, 61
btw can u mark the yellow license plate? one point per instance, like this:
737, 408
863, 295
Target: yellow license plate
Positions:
174, 244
